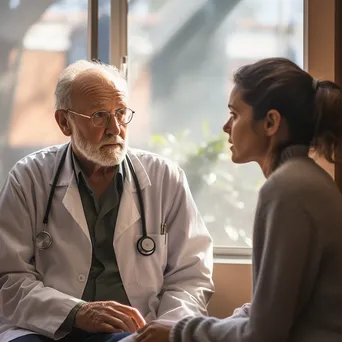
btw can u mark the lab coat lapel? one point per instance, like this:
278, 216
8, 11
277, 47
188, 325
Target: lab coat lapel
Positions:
72, 199
73, 203
129, 211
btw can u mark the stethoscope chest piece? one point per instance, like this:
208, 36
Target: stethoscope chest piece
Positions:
43, 240
146, 245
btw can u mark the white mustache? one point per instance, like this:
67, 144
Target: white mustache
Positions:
113, 140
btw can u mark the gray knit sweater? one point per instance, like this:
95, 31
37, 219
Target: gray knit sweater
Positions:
297, 263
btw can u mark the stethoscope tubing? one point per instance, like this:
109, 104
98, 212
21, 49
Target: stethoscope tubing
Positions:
45, 237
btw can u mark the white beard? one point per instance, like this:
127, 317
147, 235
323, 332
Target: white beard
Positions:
105, 157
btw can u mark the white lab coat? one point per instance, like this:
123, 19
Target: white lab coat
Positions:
39, 288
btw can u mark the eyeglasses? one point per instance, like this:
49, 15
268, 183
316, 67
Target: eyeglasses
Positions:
102, 118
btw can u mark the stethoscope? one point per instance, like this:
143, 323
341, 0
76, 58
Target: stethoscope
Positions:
145, 245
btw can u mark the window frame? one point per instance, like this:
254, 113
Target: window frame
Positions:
322, 58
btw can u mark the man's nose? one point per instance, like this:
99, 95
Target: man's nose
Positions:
113, 126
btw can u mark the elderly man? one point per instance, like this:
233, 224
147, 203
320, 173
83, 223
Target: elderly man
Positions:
96, 238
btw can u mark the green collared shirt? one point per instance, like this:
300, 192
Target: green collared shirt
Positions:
104, 281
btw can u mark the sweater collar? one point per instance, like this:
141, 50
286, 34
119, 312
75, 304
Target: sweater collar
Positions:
293, 151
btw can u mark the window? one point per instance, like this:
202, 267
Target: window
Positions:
181, 58
181, 55
37, 40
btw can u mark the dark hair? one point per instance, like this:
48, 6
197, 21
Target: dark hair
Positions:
312, 108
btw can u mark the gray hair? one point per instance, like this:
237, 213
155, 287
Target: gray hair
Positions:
69, 74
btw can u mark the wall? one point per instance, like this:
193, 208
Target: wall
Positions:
323, 24
233, 288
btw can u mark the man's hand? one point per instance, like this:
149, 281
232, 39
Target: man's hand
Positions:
108, 317
154, 332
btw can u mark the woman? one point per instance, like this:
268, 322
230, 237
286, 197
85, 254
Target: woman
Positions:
279, 112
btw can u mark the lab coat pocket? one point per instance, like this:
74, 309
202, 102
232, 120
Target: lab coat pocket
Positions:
149, 270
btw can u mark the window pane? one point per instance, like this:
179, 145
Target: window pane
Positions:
37, 40
104, 30
181, 58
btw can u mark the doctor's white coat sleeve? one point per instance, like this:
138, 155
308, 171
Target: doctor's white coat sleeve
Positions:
24, 300
188, 282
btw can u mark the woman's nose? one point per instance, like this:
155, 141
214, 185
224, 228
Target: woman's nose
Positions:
227, 126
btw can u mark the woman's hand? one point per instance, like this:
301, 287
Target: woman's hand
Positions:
154, 332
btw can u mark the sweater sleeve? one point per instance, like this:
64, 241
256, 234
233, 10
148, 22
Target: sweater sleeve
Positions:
285, 261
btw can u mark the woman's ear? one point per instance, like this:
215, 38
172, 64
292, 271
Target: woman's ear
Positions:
272, 122
61, 117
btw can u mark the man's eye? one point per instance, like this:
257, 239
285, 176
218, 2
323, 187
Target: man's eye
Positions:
101, 115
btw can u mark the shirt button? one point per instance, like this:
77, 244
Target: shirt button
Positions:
81, 278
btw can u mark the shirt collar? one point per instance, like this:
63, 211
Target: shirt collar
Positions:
76, 166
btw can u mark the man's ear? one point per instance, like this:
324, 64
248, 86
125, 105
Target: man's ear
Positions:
61, 117
272, 122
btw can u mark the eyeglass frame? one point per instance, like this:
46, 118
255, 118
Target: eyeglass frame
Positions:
110, 116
